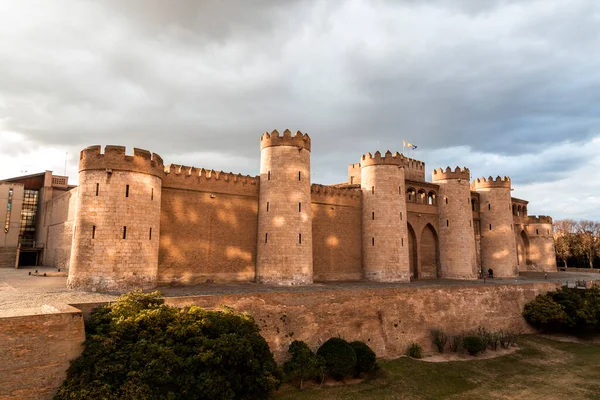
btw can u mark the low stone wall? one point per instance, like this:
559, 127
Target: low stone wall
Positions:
388, 319
36, 350
584, 270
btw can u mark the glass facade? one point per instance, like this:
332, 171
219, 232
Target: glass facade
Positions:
28, 214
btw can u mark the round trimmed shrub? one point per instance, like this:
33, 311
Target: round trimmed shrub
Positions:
304, 364
474, 344
138, 348
366, 360
339, 356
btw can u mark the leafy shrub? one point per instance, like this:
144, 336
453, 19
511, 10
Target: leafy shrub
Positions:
304, 364
138, 348
474, 344
439, 339
544, 313
339, 356
456, 343
366, 360
566, 310
507, 339
415, 351
493, 339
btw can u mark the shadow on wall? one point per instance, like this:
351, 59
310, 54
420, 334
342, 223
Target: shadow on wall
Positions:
207, 236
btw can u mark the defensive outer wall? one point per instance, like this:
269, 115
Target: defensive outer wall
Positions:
36, 349
134, 222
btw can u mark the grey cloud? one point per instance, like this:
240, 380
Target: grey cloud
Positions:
193, 80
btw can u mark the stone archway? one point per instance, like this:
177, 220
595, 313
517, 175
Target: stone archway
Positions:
429, 253
523, 251
412, 252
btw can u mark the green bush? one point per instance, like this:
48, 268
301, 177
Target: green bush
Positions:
567, 310
339, 356
439, 339
474, 344
366, 360
138, 348
546, 314
415, 351
304, 364
456, 343
507, 339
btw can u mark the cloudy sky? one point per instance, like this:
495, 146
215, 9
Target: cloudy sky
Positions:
502, 87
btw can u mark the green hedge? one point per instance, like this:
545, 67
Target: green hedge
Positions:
138, 348
566, 310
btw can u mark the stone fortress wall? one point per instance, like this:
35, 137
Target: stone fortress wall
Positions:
138, 223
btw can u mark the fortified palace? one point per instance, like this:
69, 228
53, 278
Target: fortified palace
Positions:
133, 222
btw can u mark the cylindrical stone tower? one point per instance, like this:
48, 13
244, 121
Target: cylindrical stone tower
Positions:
284, 251
385, 233
541, 244
117, 222
456, 235
498, 244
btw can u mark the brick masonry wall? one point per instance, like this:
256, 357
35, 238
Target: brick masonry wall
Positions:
388, 319
337, 236
103, 259
541, 248
281, 258
207, 235
456, 236
59, 220
36, 351
498, 245
385, 233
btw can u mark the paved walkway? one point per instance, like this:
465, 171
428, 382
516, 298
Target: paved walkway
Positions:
22, 294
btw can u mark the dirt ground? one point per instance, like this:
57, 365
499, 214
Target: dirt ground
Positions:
24, 294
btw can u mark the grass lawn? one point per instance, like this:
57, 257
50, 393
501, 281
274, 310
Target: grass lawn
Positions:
541, 369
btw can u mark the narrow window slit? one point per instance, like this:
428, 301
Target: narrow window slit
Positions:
372, 241
299, 238
267, 206
126, 190
97, 188
266, 237
299, 207
94, 232
124, 232
150, 234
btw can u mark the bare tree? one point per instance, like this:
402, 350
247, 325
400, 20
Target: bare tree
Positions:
587, 243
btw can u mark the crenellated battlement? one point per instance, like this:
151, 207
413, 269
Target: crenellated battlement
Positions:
458, 173
334, 191
274, 139
539, 219
388, 159
192, 178
499, 182
376, 159
115, 158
